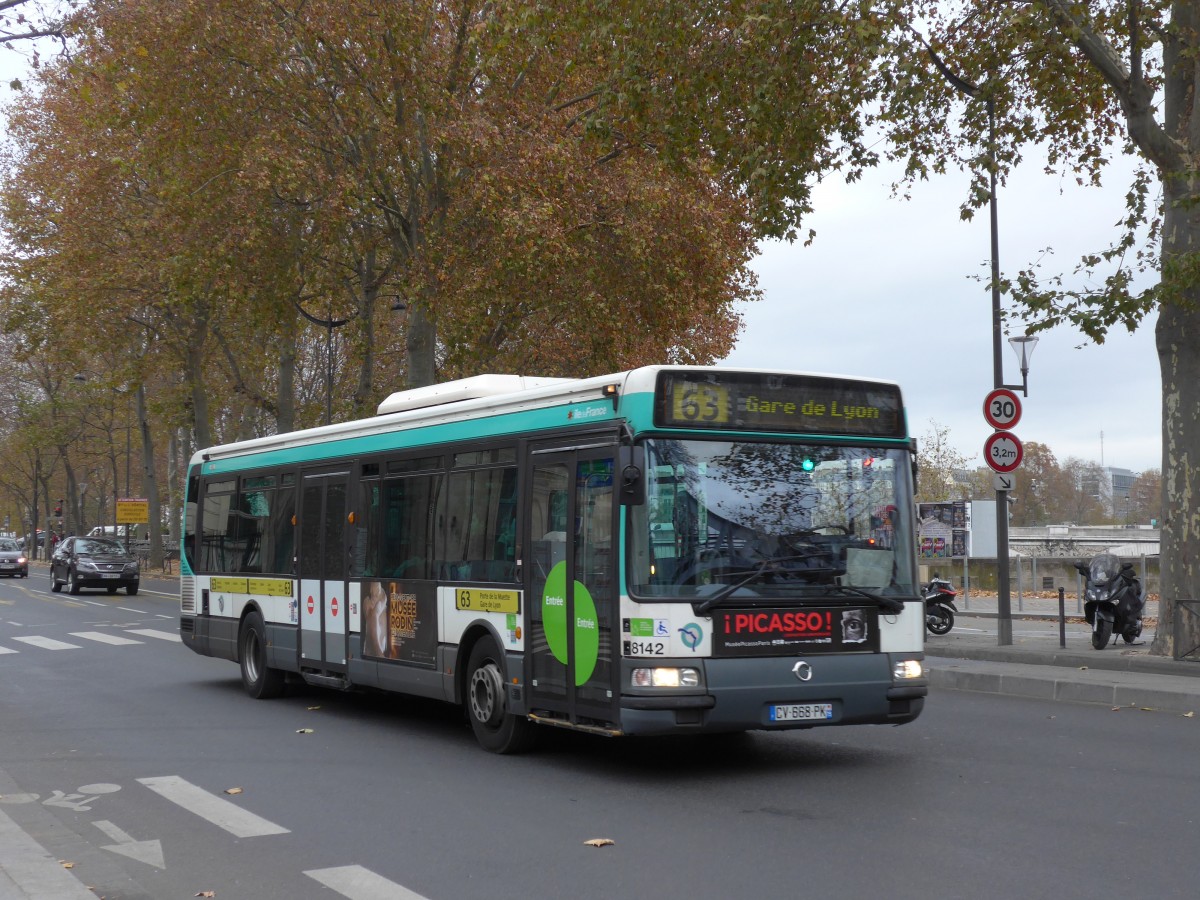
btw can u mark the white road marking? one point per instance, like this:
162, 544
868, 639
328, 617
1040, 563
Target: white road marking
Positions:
149, 852
140, 612
220, 812
103, 638
358, 883
150, 632
8, 650
27, 870
47, 643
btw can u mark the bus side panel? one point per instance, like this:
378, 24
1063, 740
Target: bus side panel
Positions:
283, 647
208, 636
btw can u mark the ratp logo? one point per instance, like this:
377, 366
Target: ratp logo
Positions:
691, 635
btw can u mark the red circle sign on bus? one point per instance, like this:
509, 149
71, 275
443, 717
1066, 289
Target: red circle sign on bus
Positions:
1003, 451
1002, 409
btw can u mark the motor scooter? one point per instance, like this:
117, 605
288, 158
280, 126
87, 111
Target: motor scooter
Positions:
939, 605
1112, 600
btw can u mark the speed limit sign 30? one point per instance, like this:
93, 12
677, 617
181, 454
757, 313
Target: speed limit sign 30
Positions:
1002, 409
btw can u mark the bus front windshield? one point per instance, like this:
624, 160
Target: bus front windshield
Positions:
750, 520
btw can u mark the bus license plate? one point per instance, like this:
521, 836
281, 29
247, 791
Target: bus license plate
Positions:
798, 712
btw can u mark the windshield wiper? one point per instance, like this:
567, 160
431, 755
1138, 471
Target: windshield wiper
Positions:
887, 604
770, 566
705, 605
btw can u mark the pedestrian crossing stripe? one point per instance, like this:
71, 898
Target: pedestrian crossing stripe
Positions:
115, 640
47, 643
101, 637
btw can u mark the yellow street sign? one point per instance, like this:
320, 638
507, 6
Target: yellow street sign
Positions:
133, 512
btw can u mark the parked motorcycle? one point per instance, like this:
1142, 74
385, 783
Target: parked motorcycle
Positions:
1112, 600
939, 605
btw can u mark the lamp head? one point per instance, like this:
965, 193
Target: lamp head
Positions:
1023, 345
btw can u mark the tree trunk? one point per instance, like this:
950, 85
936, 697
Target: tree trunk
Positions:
285, 403
194, 374
175, 451
1178, 338
366, 298
421, 341
150, 482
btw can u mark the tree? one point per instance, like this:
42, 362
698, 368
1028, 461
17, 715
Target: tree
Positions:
940, 468
1088, 80
1036, 501
1145, 499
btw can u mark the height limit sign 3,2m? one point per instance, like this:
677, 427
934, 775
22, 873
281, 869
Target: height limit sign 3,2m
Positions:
1003, 451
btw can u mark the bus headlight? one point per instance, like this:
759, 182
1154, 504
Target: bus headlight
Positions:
666, 677
908, 668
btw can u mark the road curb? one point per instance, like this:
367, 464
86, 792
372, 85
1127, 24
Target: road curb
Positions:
1134, 690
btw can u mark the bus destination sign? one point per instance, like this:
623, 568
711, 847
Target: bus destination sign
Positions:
750, 401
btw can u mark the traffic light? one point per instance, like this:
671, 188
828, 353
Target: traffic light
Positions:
58, 509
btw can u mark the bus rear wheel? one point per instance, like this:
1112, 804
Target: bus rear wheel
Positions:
260, 680
495, 727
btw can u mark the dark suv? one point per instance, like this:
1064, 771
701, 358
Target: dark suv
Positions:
80, 562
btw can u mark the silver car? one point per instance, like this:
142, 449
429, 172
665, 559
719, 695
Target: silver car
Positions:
13, 561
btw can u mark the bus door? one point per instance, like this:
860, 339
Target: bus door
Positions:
322, 569
571, 586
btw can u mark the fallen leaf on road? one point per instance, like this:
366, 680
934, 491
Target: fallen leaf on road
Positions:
1189, 715
304, 731
233, 790
1083, 668
65, 864
206, 894
599, 842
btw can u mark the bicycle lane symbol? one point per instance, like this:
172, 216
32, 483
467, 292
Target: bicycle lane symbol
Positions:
78, 800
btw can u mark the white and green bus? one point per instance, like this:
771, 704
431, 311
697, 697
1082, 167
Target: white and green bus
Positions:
668, 550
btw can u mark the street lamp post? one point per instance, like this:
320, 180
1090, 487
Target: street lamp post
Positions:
329, 325
1023, 345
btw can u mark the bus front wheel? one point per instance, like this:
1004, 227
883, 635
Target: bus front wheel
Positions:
260, 680
495, 728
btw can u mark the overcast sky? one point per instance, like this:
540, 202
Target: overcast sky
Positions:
888, 290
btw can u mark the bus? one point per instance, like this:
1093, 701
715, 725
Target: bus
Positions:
668, 550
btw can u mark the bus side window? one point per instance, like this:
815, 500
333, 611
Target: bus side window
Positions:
283, 533
479, 541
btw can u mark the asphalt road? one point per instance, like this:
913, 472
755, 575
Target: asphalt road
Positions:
117, 753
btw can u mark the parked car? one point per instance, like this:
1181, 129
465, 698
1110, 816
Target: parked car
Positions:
90, 562
12, 559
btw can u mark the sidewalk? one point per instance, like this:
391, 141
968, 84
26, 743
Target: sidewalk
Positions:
1036, 665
